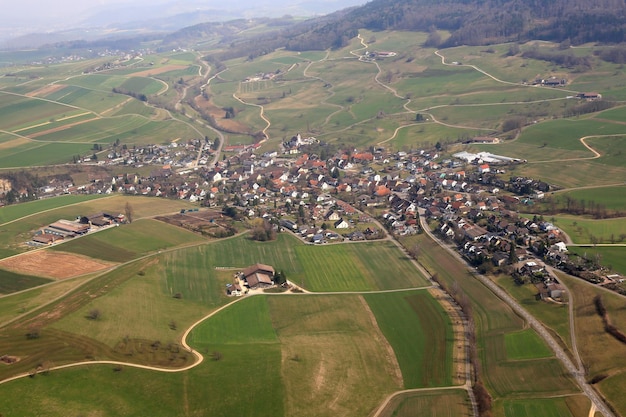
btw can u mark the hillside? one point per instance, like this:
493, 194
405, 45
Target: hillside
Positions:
478, 22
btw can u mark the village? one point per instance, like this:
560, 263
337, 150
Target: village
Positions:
326, 195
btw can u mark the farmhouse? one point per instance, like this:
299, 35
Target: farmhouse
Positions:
259, 276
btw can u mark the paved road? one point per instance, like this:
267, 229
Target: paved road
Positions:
535, 324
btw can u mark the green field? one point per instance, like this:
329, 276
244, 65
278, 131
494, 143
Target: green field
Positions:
612, 198
525, 345
420, 333
14, 212
12, 282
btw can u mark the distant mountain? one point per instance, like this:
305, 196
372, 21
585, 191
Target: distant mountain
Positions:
113, 19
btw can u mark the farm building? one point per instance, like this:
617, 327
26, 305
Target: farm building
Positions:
67, 228
259, 276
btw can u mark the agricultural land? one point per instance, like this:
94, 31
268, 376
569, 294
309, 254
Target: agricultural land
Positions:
443, 231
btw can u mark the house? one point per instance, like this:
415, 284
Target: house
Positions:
332, 215
559, 247
341, 224
258, 276
474, 232
484, 168
555, 290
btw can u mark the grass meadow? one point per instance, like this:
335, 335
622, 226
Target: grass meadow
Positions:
449, 403
613, 198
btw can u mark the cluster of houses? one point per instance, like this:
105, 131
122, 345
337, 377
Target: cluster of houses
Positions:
67, 229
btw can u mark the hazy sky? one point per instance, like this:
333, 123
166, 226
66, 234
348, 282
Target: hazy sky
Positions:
69, 10
18, 17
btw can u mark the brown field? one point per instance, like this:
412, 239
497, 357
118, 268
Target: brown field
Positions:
160, 70
228, 125
44, 91
207, 222
56, 265
13, 143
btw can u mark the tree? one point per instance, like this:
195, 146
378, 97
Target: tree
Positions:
128, 209
94, 314
512, 255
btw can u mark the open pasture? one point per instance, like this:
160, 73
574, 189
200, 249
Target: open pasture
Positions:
616, 114
335, 360
566, 133
613, 198
446, 403
93, 100
142, 85
420, 334
142, 307
611, 150
54, 125
507, 377
246, 322
14, 305
613, 388
568, 172
584, 230
99, 82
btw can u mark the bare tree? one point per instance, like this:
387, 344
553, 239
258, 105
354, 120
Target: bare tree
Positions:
129, 212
